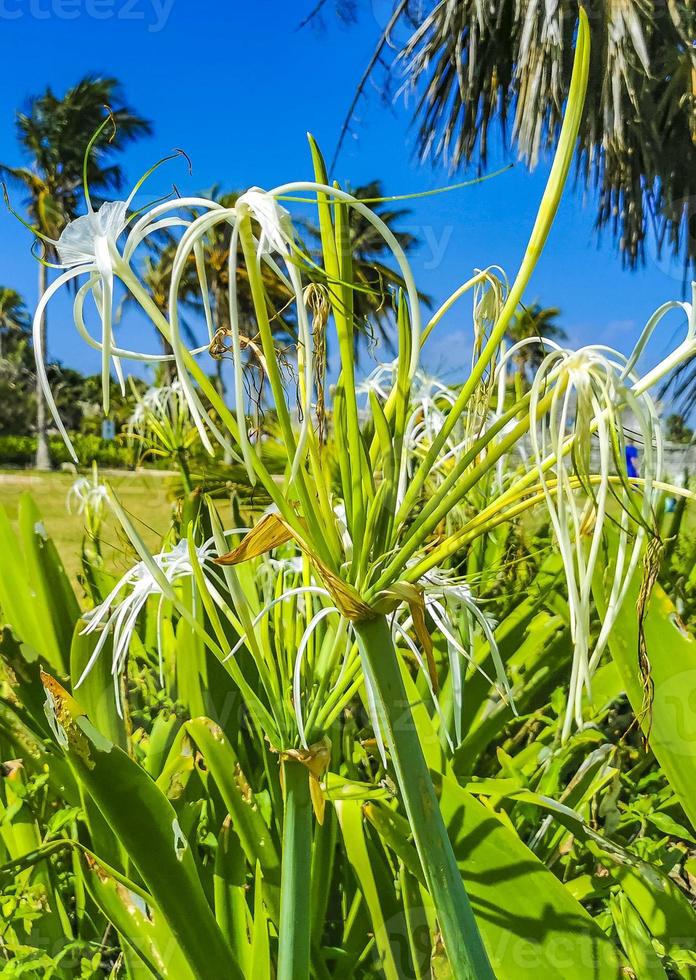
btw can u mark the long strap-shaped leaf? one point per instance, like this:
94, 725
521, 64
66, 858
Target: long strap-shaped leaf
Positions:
145, 823
254, 836
668, 718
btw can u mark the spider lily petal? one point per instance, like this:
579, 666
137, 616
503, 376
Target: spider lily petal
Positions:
686, 349
277, 235
80, 238
89, 245
39, 353
274, 220
448, 597
132, 592
595, 390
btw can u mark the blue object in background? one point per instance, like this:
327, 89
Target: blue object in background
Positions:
108, 429
631, 460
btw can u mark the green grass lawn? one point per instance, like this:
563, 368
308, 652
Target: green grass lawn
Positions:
147, 496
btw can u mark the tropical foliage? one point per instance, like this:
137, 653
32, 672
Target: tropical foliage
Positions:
425, 713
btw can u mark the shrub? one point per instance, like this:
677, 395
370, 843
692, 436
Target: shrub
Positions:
21, 451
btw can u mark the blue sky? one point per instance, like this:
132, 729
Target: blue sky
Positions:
237, 86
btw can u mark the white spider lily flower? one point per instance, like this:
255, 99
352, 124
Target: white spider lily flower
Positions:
118, 613
86, 246
81, 239
89, 246
430, 402
381, 380
383, 377
88, 497
274, 220
286, 566
161, 420
593, 390
276, 234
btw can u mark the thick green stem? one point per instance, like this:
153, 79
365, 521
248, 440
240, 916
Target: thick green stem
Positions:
184, 470
462, 940
295, 925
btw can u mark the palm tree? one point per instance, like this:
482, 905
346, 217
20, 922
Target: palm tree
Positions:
530, 323
677, 430
476, 67
53, 135
15, 323
377, 281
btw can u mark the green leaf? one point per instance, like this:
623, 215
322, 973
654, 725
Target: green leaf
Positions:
145, 823
23, 602
351, 822
664, 909
260, 949
635, 940
668, 825
529, 921
135, 917
231, 910
48, 577
254, 836
418, 924
96, 693
162, 735
670, 724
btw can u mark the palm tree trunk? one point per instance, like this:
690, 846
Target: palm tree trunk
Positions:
168, 371
43, 457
